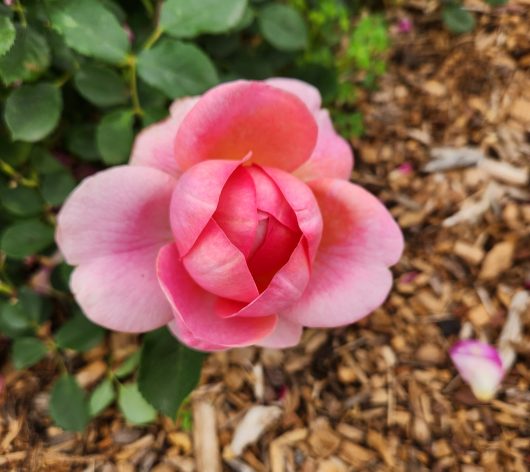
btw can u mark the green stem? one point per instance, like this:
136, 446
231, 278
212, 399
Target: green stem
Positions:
153, 38
21, 13
148, 7
19, 178
7, 290
137, 108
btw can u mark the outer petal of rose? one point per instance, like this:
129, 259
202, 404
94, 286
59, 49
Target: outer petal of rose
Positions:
286, 334
480, 365
119, 210
220, 267
155, 145
332, 156
196, 307
304, 91
112, 226
181, 331
121, 292
195, 200
287, 286
235, 119
349, 275
302, 200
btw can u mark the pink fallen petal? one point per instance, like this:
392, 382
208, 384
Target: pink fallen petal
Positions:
196, 308
350, 275
235, 119
155, 145
480, 365
112, 227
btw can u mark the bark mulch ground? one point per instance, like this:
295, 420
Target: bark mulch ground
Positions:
447, 148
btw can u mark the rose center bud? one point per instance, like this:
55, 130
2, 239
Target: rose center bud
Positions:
257, 219
250, 237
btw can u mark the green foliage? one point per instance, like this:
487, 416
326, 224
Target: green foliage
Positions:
457, 19
177, 69
27, 351
133, 405
7, 34
68, 405
185, 19
283, 27
78, 80
169, 371
45, 102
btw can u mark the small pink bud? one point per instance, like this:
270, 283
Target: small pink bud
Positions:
404, 25
406, 168
480, 365
408, 277
8, 2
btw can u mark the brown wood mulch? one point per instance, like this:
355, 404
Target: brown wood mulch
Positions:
381, 395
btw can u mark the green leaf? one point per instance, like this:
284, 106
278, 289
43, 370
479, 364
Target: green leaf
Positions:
25, 238
133, 405
114, 136
27, 59
127, 367
28, 351
12, 320
14, 153
81, 141
33, 306
44, 162
457, 19
187, 19
20, 201
101, 85
33, 111
7, 34
57, 186
79, 333
177, 69
68, 405
169, 371
60, 277
90, 28
102, 396
283, 27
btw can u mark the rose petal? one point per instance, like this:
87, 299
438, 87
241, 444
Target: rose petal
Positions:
196, 307
235, 119
195, 200
236, 212
285, 288
273, 253
480, 365
349, 275
155, 145
269, 198
301, 200
181, 331
220, 267
286, 334
332, 156
304, 91
112, 226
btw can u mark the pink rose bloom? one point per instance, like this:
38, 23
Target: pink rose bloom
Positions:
480, 365
234, 224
